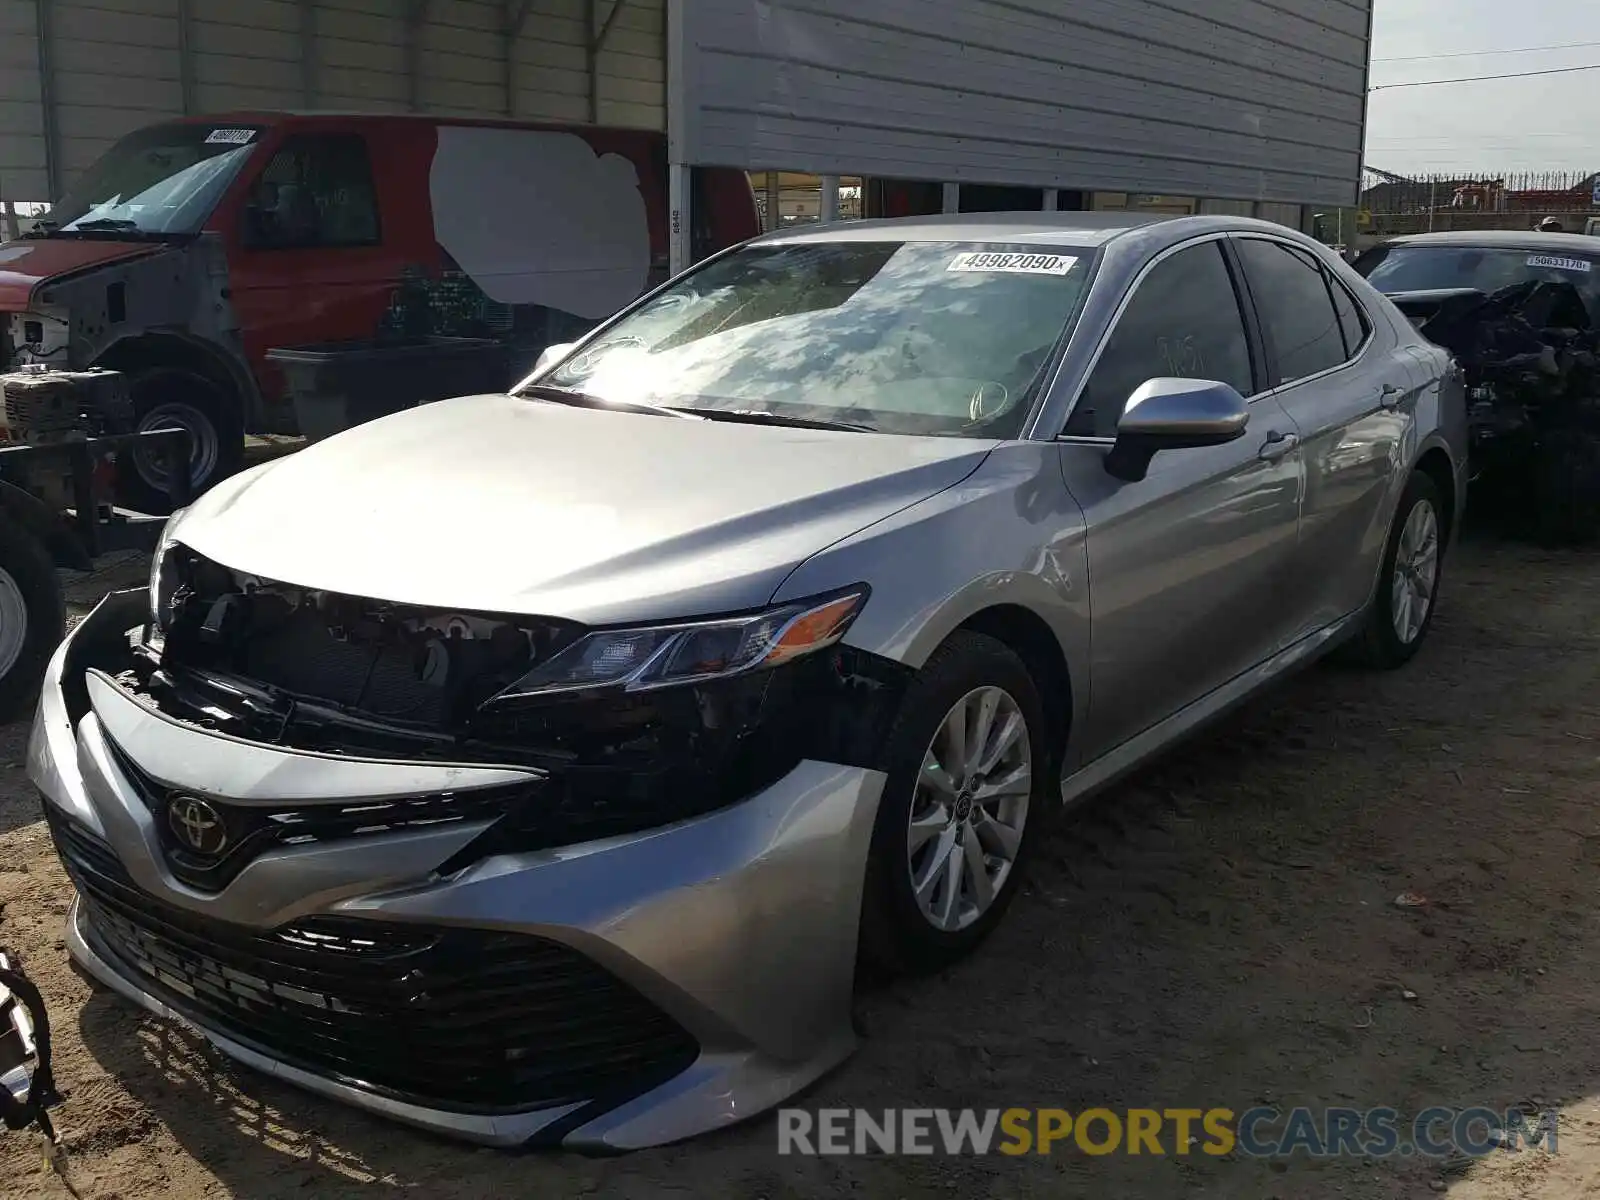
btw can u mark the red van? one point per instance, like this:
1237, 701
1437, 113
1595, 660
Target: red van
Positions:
193, 247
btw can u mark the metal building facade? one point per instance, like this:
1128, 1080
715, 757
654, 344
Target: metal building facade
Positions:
1256, 100
77, 74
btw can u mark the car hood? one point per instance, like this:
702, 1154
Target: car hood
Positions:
499, 504
24, 265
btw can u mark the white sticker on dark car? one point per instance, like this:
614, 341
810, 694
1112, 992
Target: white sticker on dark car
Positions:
1016, 264
1560, 264
231, 137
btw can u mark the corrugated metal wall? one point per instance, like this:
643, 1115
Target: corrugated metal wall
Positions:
1238, 99
119, 64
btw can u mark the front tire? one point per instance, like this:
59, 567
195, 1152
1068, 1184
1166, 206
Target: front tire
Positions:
164, 397
1408, 582
969, 767
32, 617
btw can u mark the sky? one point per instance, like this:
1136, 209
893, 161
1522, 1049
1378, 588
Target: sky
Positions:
1549, 122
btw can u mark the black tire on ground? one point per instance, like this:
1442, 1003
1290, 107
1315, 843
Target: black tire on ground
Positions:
896, 938
1379, 645
1566, 487
30, 592
163, 396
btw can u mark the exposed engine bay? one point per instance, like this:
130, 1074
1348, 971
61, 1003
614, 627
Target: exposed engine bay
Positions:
305, 669
1531, 354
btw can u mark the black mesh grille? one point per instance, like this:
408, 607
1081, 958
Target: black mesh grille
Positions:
461, 1019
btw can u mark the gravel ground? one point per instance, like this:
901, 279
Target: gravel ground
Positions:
1220, 931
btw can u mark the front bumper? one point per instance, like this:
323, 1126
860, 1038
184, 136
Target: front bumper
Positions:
736, 930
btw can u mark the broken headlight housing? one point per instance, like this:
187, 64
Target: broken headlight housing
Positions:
647, 658
165, 580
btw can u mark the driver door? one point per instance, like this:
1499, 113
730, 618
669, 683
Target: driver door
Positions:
1187, 567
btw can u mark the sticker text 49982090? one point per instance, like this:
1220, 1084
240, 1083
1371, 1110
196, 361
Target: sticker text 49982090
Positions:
1015, 264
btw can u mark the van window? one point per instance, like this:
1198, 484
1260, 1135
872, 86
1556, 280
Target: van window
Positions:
316, 192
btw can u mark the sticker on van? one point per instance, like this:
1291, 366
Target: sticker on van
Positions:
1016, 264
230, 137
1560, 264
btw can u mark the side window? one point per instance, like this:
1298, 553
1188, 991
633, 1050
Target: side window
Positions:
316, 192
1291, 294
1184, 320
1352, 319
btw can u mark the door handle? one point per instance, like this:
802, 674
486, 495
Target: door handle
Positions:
1390, 395
1277, 445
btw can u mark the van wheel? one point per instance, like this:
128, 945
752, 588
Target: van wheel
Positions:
968, 783
168, 397
32, 617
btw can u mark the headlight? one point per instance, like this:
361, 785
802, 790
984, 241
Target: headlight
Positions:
668, 655
164, 578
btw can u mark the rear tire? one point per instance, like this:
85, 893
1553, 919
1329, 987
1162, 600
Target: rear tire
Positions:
940, 823
1408, 581
32, 617
168, 396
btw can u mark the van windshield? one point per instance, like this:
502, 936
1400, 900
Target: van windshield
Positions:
164, 179
912, 337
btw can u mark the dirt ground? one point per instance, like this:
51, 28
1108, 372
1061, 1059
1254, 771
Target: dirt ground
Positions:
1221, 931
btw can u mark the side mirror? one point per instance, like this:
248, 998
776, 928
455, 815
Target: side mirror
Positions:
552, 355
1174, 414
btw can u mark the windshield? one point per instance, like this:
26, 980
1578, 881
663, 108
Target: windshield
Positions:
1425, 268
894, 337
159, 180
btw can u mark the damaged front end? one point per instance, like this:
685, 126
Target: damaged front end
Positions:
1531, 356
322, 828
310, 670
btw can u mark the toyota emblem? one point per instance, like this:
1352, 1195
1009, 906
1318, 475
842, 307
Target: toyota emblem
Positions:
197, 825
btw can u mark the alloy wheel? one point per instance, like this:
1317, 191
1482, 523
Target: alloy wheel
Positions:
970, 807
1416, 570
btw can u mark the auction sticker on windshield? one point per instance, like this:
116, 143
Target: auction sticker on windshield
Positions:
1561, 264
231, 137
1016, 264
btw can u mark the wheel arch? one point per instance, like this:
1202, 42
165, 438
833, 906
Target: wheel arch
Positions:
1435, 462
1030, 637
182, 351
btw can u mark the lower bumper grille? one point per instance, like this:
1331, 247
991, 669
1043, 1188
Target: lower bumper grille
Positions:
459, 1019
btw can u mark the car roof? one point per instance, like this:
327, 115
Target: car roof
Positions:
1044, 228
1504, 239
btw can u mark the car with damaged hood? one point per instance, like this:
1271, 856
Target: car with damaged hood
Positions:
537, 768
1520, 311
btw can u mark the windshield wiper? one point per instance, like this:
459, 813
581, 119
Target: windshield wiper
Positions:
104, 223
752, 416
561, 395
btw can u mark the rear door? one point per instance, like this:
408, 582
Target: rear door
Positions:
1188, 568
1352, 390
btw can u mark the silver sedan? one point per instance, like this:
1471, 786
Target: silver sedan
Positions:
538, 767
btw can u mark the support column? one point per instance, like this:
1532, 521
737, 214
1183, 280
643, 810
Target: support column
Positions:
828, 209
47, 99
186, 56
952, 198
515, 17
308, 53
416, 15
596, 42
679, 203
